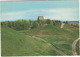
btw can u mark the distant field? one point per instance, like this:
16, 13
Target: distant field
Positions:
19, 43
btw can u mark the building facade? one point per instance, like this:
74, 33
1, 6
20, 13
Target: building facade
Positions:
40, 18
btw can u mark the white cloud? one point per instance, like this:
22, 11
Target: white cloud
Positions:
59, 14
11, 15
63, 14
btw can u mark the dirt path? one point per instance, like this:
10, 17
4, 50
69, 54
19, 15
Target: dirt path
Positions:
53, 47
74, 47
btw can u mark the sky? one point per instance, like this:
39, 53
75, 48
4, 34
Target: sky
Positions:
55, 10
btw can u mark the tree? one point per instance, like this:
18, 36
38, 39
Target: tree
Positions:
18, 25
48, 21
26, 24
41, 22
5, 23
66, 22
22, 24
51, 22
35, 24
11, 24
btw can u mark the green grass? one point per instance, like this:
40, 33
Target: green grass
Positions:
14, 43
61, 38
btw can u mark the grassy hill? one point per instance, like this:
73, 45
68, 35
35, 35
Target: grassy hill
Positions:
14, 43
60, 38
20, 43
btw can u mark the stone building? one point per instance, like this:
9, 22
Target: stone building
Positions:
40, 18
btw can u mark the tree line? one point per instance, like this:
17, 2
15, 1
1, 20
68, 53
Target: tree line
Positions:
26, 24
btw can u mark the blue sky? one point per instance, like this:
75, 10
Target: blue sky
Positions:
56, 10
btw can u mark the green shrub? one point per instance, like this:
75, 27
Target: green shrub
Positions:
35, 24
48, 21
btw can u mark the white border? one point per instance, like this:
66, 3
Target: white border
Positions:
37, 56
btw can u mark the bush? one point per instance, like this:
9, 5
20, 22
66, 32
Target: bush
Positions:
18, 25
51, 22
22, 24
48, 21
35, 24
5, 23
57, 22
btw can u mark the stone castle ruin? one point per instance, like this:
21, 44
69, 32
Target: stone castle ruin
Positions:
40, 18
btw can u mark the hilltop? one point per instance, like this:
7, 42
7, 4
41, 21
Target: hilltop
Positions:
43, 38
62, 39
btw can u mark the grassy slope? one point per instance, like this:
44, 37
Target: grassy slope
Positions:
14, 43
61, 38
